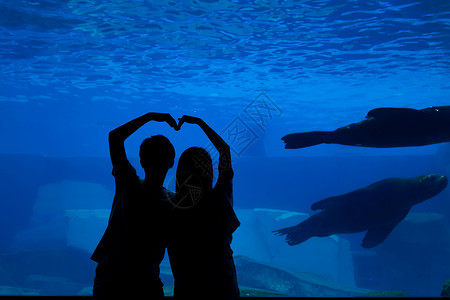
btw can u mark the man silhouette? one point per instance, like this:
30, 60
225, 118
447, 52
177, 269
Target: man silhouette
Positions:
134, 242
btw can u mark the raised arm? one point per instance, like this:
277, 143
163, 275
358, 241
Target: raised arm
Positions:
216, 140
118, 136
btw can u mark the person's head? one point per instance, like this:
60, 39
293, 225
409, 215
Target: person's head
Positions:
194, 170
157, 154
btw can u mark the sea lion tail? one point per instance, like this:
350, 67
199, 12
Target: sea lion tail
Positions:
304, 139
294, 235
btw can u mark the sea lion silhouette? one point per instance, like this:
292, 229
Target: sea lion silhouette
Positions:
383, 128
377, 208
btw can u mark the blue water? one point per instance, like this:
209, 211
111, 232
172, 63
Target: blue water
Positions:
70, 71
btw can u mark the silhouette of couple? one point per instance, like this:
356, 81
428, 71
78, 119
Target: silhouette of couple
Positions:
195, 224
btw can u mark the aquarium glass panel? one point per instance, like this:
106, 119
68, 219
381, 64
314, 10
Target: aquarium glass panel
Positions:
335, 113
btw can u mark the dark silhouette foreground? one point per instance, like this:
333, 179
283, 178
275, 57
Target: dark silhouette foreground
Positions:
134, 243
202, 223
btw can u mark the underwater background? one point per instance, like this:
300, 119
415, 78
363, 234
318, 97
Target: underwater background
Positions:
72, 70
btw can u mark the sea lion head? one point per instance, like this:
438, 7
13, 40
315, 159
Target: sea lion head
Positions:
427, 186
438, 112
438, 109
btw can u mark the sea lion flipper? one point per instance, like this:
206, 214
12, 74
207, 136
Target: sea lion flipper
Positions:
376, 236
393, 113
304, 139
295, 234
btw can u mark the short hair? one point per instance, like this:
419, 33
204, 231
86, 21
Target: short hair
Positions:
157, 146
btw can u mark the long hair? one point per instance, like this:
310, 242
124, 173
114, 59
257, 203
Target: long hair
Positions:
194, 176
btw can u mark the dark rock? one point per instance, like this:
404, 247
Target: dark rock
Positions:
251, 292
386, 294
262, 276
446, 289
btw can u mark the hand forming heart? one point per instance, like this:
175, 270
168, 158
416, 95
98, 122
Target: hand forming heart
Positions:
184, 119
187, 119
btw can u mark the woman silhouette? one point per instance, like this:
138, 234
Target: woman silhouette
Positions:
203, 222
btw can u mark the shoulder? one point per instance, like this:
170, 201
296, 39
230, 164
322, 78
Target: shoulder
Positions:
226, 175
167, 194
125, 172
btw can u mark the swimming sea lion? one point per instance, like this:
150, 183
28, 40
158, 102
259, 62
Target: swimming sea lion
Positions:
383, 128
377, 208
